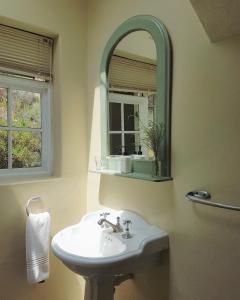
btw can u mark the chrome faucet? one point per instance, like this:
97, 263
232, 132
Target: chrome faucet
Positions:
115, 227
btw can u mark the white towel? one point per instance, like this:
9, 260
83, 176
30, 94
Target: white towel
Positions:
37, 246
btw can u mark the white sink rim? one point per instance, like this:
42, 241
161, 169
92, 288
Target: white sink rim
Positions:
85, 261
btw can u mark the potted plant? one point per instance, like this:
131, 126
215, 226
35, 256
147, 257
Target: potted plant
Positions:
153, 137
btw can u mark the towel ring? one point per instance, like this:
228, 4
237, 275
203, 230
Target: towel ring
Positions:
32, 199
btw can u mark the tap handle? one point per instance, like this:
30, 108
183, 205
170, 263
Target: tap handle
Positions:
104, 214
126, 234
127, 222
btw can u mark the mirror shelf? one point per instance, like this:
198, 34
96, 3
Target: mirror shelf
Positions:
134, 175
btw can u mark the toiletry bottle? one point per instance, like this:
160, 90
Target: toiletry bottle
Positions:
139, 150
125, 150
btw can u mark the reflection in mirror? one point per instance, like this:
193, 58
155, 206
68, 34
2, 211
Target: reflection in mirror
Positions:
131, 94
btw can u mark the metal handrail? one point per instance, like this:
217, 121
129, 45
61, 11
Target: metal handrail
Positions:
204, 197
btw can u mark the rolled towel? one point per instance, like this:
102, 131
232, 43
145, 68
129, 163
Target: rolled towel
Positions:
37, 247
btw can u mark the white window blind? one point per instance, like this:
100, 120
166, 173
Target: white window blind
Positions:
24, 53
131, 74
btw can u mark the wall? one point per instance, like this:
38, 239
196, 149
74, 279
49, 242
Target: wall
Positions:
65, 194
203, 261
204, 256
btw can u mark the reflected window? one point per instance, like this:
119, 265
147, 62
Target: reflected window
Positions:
126, 114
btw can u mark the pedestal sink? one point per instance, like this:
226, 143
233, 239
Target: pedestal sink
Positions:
105, 258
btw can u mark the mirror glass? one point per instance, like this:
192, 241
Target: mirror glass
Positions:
132, 76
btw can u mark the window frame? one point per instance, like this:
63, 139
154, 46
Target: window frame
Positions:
122, 99
45, 89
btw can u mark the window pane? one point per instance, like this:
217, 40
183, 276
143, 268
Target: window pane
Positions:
131, 141
26, 109
3, 107
3, 149
26, 149
115, 116
115, 144
131, 117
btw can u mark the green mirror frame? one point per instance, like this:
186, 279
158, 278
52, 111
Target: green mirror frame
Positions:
163, 95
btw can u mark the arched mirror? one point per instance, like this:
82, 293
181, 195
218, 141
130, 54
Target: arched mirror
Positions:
135, 101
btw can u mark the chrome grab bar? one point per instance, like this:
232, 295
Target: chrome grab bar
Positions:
204, 197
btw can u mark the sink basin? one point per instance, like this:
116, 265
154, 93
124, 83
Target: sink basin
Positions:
105, 258
87, 244
88, 248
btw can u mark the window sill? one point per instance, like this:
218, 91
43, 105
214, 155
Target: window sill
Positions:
25, 179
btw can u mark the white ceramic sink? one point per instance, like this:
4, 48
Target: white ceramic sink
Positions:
88, 249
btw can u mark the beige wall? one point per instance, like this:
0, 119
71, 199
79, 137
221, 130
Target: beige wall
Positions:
65, 195
204, 256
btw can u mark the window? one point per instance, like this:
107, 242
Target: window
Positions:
24, 125
126, 115
25, 93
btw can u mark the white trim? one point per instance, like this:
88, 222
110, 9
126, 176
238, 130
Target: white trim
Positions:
20, 129
122, 127
120, 98
44, 89
23, 171
125, 90
113, 132
9, 121
46, 129
27, 84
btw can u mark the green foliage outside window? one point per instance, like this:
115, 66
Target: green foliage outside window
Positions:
3, 150
26, 145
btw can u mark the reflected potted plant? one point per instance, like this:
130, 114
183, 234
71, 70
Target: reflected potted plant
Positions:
153, 136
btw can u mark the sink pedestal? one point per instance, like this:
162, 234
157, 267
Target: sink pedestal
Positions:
99, 288
102, 287
106, 258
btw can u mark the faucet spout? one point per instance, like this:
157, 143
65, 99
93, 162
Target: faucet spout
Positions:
115, 227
